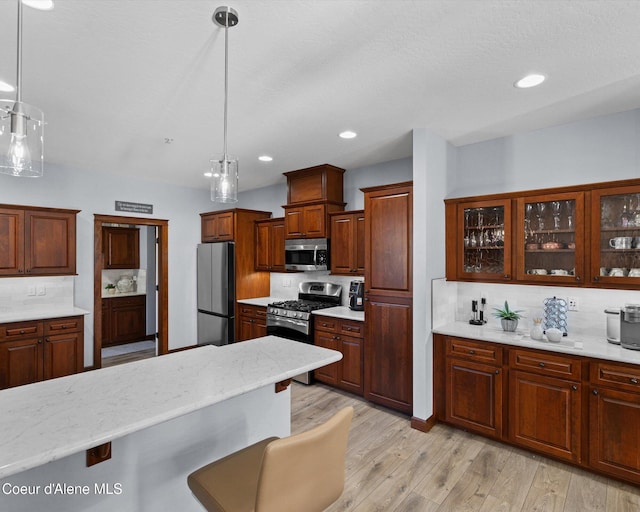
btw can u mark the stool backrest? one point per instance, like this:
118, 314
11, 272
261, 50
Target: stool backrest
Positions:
305, 472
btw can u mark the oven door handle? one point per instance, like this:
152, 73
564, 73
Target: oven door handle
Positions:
278, 321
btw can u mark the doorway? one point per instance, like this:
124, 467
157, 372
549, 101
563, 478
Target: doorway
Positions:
157, 231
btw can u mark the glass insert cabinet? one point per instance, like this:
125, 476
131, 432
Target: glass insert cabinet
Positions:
485, 232
616, 235
587, 235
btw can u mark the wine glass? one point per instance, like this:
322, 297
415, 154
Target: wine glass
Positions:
555, 209
540, 209
569, 213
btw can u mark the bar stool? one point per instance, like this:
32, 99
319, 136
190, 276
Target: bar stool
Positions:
300, 473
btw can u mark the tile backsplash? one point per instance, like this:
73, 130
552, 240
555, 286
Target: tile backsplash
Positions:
285, 286
452, 301
33, 293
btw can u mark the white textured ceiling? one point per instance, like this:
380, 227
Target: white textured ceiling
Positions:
117, 77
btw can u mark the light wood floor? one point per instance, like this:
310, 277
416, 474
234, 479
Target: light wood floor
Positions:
127, 358
392, 467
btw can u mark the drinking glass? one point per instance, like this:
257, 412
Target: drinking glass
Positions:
540, 210
569, 213
555, 209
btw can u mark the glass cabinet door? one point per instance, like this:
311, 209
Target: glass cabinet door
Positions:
550, 238
484, 234
616, 236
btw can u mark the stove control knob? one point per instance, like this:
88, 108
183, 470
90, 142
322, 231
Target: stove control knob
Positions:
299, 315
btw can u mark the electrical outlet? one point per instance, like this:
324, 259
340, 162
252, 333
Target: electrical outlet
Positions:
572, 303
31, 290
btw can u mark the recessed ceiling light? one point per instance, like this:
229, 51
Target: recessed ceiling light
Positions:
530, 81
208, 174
5, 87
265, 158
41, 5
347, 134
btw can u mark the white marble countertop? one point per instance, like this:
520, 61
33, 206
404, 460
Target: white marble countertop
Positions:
121, 294
260, 301
41, 314
48, 420
588, 346
341, 312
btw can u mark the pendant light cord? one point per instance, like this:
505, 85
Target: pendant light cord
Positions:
226, 84
19, 66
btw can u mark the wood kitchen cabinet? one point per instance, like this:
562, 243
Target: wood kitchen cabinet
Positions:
318, 183
310, 221
478, 240
270, 245
545, 403
347, 337
388, 366
347, 243
121, 247
39, 350
126, 318
218, 226
252, 322
614, 416
474, 386
37, 241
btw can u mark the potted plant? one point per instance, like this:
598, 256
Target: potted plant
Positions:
111, 289
508, 317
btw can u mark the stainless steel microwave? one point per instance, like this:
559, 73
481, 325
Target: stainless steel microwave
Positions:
306, 254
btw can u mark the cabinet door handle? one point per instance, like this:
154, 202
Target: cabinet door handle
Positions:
596, 278
497, 372
21, 331
28, 270
472, 352
47, 340
574, 387
578, 278
633, 380
595, 391
39, 342
20, 271
348, 328
507, 276
324, 324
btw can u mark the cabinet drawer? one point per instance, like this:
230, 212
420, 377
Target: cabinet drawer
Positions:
620, 376
326, 323
545, 364
19, 330
253, 311
62, 325
350, 328
474, 350
135, 300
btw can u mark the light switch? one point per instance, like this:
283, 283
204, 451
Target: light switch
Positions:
42, 290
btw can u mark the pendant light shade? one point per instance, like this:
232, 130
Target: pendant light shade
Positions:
224, 180
21, 128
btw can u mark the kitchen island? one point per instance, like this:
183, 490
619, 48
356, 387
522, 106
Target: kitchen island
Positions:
165, 417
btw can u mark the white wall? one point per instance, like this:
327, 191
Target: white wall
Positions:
95, 193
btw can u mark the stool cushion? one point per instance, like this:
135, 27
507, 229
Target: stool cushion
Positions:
230, 484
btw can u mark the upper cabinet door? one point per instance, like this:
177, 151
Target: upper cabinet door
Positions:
615, 233
550, 239
483, 240
12, 246
121, 247
50, 242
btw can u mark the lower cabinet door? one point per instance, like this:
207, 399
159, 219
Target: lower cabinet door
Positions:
474, 396
128, 323
62, 355
351, 365
545, 414
614, 436
20, 362
329, 373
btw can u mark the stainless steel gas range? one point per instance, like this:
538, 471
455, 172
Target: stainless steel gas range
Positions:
292, 318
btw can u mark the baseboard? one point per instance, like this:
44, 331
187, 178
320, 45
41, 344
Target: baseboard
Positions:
182, 348
423, 425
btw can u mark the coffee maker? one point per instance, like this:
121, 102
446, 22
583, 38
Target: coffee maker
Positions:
356, 295
630, 326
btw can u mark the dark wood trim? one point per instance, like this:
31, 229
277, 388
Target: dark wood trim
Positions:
98, 454
189, 347
234, 210
545, 191
39, 208
390, 186
282, 385
163, 279
423, 425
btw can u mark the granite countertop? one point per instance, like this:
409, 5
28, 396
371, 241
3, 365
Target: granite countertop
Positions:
48, 420
260, 301
588, 346
41, 314
341, 312
121, 294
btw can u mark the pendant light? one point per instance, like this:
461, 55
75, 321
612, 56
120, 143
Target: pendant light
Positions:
224, 181
21, 128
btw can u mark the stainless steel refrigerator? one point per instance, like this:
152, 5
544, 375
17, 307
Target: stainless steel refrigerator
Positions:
216, 293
